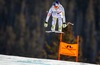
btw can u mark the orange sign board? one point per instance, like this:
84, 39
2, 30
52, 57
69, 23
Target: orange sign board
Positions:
68, 49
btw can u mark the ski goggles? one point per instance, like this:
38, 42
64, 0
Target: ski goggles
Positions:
56, 7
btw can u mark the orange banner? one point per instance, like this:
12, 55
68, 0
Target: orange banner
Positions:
68, 49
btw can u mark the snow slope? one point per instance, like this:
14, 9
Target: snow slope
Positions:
16, 60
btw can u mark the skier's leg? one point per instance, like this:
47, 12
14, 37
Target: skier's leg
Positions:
53, 23
60, 24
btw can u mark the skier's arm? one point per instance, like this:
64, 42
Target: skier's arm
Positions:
63, 14
47, 18
48, 15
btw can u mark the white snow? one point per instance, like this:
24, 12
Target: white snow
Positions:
16, 60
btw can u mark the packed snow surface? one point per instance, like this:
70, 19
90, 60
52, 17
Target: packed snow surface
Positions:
16, 60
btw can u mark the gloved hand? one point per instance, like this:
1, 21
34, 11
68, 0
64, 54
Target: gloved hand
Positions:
45, 24
64, 25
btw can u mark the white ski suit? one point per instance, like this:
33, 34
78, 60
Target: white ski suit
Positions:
56, 14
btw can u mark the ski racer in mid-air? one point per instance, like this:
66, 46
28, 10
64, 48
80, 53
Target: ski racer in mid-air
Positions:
57, 12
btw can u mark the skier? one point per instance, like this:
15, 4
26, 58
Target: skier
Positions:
57, 12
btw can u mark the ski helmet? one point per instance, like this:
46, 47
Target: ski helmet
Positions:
56, 4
